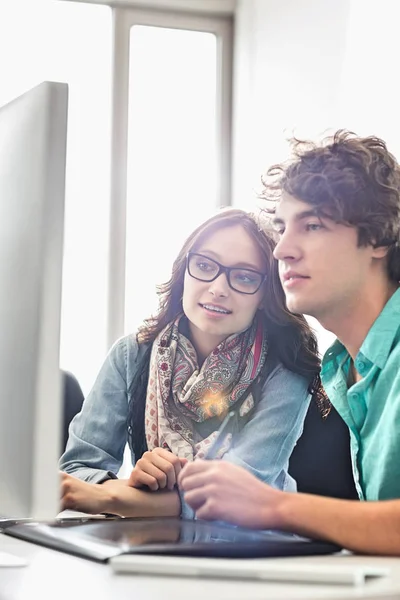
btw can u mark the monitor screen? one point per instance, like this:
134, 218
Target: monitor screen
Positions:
32, 182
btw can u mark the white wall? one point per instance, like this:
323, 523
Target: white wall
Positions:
370, 91
289, 60
309, 67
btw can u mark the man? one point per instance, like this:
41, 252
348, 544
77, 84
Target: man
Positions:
337, 215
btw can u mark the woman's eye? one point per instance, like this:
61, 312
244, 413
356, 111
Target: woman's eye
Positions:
279, 230
204, 266
245, 278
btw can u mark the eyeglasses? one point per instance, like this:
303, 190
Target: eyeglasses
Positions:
244, 281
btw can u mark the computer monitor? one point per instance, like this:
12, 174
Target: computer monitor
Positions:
32, 182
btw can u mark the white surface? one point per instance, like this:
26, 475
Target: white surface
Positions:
32, 181
339, 573
201, 6
11, 560
76, 514
52, 574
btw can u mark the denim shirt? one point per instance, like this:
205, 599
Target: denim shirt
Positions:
98, 434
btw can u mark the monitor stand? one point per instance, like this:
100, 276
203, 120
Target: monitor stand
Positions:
6, 558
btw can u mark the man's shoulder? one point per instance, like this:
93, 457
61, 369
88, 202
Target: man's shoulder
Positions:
392, 362
382, 344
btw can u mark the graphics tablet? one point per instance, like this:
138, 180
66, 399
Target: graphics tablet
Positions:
101, 540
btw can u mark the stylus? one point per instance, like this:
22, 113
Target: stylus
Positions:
221, 436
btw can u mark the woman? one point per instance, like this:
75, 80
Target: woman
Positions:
222, 340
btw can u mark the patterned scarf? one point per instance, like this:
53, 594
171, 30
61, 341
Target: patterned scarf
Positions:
179, 393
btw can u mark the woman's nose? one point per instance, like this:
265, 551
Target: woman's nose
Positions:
219, 287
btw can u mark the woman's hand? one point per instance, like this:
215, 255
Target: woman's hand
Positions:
219, 490
158, 469
86, 497
116, 497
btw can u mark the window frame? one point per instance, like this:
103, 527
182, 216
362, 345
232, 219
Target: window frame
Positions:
123, 20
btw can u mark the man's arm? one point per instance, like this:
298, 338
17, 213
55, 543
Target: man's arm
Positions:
363, 527
218, 490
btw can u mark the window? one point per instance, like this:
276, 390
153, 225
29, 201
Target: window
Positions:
50, 42
148, 143
172, 92
171, 154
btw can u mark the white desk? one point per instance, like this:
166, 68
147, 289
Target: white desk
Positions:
58, 576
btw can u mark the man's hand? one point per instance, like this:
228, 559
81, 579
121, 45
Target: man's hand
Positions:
158, 469
219, 490
86, 497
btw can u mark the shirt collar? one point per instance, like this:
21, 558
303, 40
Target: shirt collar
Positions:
378, 343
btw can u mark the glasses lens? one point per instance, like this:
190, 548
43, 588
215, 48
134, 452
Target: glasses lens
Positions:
202, 267
244, 281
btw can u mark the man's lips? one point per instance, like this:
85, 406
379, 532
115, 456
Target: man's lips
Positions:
290, 275
291, 280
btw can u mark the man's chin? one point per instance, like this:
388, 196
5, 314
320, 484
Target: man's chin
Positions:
297, 307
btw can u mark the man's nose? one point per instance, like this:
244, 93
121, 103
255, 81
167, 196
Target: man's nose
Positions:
286, 248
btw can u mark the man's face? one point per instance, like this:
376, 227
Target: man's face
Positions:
323, 271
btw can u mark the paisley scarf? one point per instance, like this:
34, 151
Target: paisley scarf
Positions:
180, 394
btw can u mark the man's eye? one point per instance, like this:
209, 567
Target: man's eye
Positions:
314, 226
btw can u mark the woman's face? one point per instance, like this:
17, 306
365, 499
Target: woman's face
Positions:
213, 308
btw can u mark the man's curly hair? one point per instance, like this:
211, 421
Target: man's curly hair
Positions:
353, 180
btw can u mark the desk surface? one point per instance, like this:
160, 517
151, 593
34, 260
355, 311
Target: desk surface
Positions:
52, 574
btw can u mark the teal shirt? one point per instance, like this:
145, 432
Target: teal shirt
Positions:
371, 407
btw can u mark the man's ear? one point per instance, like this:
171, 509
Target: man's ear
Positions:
380, 251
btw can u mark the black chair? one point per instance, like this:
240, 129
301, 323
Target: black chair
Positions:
73, 400
321, 461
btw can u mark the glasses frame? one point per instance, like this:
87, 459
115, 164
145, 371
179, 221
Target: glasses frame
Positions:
227, 271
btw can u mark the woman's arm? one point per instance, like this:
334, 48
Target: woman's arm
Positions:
98, 434
265, 443
97, 439
217, 491
118, 498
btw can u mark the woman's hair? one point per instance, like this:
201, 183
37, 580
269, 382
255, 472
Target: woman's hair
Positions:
353, 180
291, 341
